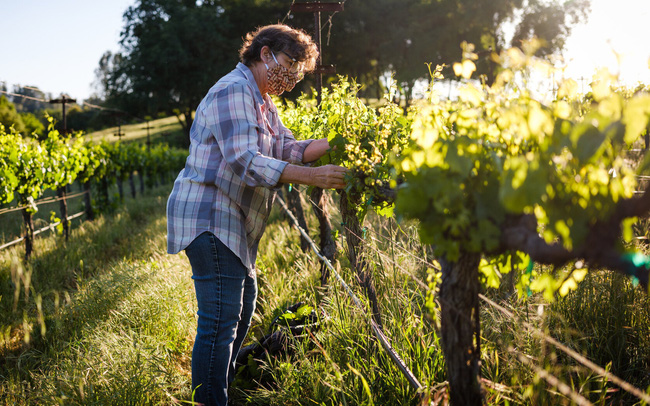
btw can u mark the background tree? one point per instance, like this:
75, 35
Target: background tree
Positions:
369, 39
33, 126
106, 82
9, 116
29, 104
174, 51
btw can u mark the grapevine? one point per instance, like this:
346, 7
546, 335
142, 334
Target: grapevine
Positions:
362, 138
28, 168
499, 173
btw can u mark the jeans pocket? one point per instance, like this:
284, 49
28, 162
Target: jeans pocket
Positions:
202, 256
227, 263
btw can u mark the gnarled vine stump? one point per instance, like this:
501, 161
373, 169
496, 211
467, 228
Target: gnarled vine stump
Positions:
459, 320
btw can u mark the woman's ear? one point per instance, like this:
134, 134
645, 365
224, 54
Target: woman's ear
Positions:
265, 54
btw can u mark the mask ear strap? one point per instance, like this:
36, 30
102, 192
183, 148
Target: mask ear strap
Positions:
274, 58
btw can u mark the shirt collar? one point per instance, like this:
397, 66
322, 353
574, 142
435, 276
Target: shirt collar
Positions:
251, 79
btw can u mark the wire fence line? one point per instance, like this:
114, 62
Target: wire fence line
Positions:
23, 96
628, 387
36, 232
41, 202
85, 104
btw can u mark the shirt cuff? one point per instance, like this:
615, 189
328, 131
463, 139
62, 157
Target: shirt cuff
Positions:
264, 171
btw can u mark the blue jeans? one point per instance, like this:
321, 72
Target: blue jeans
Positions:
226, 291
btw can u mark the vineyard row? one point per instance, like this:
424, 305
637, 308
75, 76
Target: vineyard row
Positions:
29, 168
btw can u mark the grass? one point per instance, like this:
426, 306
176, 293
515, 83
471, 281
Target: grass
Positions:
341, 363
166, 130
108, 318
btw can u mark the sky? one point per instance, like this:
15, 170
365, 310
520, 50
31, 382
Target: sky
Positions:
614, 26
56, 45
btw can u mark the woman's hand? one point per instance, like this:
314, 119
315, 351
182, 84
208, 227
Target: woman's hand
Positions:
324, 177
329, 177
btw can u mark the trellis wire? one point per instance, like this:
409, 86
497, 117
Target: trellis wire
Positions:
383, 339
552, 380
550, 340
23, 96
41, 202
573, 354
85, 104
48, 227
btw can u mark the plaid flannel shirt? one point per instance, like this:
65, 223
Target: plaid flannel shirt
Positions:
239, 148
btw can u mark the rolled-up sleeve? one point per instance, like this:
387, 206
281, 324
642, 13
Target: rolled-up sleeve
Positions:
232, 119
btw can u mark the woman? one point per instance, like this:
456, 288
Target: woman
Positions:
240, 154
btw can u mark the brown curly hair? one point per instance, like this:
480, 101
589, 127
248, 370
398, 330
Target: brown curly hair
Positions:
280, 38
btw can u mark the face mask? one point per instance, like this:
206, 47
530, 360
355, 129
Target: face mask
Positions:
279, 78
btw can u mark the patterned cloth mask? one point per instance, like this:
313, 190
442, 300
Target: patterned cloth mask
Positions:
279, 78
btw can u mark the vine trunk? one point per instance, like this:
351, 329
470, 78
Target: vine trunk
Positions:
459, 320
295, 205
319, 202
132, 184
353, 235
88, 206
63, 206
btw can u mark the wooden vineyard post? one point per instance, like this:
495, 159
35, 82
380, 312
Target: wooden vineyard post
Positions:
318, 197
316, 8
29, 232
60, 192
148, 128
132, 184
141, 173
103, 194
120, 187
63, 100
88, 206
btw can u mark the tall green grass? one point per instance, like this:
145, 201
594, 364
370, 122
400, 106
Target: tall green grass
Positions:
108, 318
341, 362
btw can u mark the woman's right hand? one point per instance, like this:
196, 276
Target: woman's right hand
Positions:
329, 177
